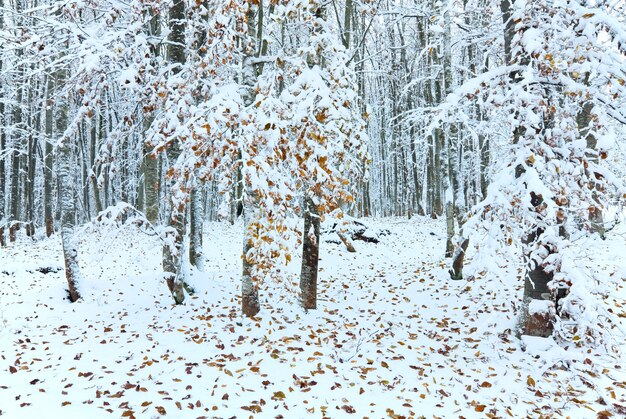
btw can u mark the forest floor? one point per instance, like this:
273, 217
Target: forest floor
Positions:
393, 336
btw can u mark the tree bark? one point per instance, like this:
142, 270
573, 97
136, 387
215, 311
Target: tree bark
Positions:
3, 124
30, 187
250, 305
93, 175
583, 119
151, 185
16, 159
48, 158
68, 201
173, 249
458, 259
450, 140
172, 252
310, 255
196, 215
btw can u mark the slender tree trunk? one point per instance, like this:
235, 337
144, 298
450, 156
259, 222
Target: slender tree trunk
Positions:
347, 23
93, 174
310, 255
439, 171
485, 157
84, 174
250, 304
17, 133
196, 215
458, 259
151, 184
173, 250
68, 211
583, 120
15, 169
509, 29
451, 137
2, 175
32, 122
48, 158
238, 193
68, 198
3, 125
30, 187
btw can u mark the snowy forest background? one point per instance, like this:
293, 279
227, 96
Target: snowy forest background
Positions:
292, 120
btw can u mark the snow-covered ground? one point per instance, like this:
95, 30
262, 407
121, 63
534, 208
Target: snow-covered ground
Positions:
393, 336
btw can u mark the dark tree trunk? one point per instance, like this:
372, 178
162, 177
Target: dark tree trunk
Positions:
68, 201
310, 256
250, 305
16, 162
47, 161
196, 220
536, 288
583, 120
173, 250
93, 175
172, 253
30, 187
3, 124
151, 186
458, 259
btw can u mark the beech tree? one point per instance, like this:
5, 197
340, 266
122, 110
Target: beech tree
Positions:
3, 124
560, 89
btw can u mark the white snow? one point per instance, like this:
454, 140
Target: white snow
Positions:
540, 307
392, 335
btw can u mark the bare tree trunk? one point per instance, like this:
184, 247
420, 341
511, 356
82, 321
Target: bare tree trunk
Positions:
15, 191
347, 23
3, 124
250, 305
172, 254
151, 185
30, 187
458, 259
450, 187
196, 215
84, 161
16, 159
68, 201
310, 255
47, 169
583, 119
93, 175
485, 157
173, 249
533, 322
150, 163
